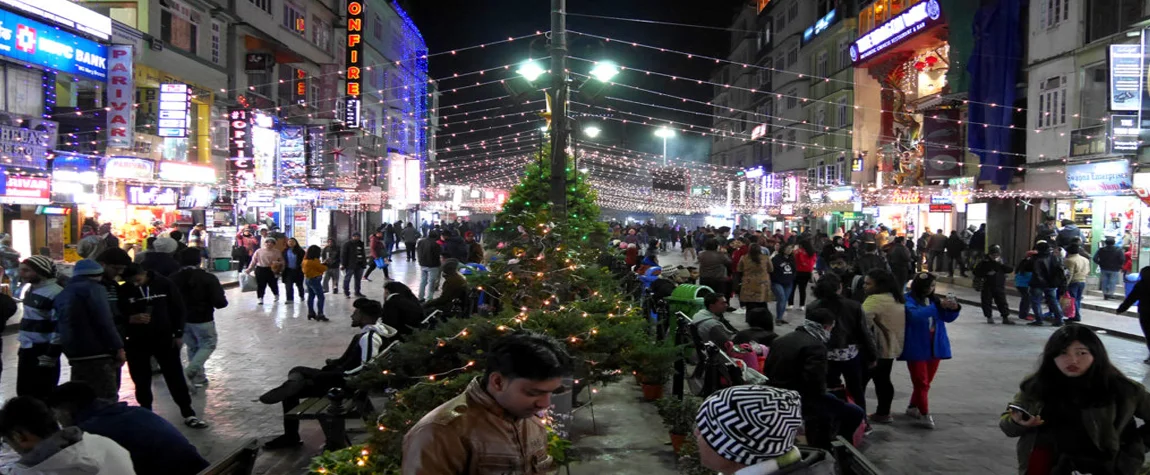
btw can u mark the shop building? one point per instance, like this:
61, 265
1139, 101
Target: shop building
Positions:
830, 112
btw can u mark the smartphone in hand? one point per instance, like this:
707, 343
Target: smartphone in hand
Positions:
1025, 414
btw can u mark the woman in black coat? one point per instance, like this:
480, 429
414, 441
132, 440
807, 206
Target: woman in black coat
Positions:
293, 269
401, 310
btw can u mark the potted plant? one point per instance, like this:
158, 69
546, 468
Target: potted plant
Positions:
679, 417
654, 363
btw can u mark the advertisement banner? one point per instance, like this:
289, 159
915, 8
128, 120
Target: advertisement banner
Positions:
49, 46
129, 168
29, 144
906, 24
264, 140
26, 190
1124, 134
121, 95
942, 134
175, 101
1100, 178
1126, 77
187, 172
293, 164
318, 170
241, 167
153, 195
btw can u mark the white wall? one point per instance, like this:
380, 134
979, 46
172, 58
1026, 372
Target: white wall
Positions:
1045, 43
1052, 142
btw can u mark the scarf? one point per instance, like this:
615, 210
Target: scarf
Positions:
816, 330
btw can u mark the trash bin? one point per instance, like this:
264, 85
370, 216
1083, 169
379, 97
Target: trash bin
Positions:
1131, 279
223, 264
688, 298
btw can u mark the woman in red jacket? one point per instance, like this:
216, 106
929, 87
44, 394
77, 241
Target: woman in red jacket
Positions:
805, 259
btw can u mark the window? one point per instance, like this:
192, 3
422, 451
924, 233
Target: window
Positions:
286, 89
793, 56
821, 117
179, 26
265, 5
792, 99
844, 53
844, 112
840, 171
1052, 102
1054, 12
823, 8
1107, 17
377, 27
820, 69
379, 79
1093, 94
791, 137
781, 22
371, 122
780, 66
764, 36
764, 76
294, 19
260, 83
793, 12
321, 34
813, 174
24, 90
780, 146
217, 39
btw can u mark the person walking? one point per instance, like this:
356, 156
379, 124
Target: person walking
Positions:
714, 267
388, 241
783, 280
329, 256
756, 271
923, 248
10, 261
38, 359
202, 295
88, 335
1111, 261
993, 272
352, 260
410, 238
901, 261
851, 348
375, 250
474, 249
954, 252
263, 262
293, 270
313, 271
687, 245
805, 259
1078, 267
1045, 280
1077, 413
156, 316
885, 311
429, 255
936, 262
1140, 294
926, 343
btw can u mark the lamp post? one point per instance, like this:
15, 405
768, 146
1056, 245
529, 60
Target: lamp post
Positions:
665, 133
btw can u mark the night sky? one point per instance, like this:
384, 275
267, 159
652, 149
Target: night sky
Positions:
457, 24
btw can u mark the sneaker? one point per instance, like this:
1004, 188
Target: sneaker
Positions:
1057, 323
289, 301
927, 421
195, 422
881, 419
990, 320
276, 298
913, 413
260, 302
1007, 321
283, 442
1036, 323
359, 295
781, 322
868, 430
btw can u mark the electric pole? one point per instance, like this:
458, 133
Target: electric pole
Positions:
560, 92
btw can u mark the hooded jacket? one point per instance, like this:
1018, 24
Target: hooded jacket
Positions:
455, 247
1067, 234
74, 452
165, 302
155, 445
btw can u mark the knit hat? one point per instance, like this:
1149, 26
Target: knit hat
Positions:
114, 256
87, 267
166, 245
751, 424
43, 265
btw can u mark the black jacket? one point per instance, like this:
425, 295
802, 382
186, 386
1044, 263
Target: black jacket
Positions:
993, 271
978, 241
298, 259
1110, 258
160, 262
850, 327
900, 259
869, 261
954, 245
352, 254
798, 361
1048, 271
402, 313
428, 252
455, 247
329, 256
166, 305
202, 293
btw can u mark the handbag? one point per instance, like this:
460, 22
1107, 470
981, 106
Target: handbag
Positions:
1067, 304
380, 263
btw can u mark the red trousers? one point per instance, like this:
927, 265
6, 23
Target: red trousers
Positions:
921, 375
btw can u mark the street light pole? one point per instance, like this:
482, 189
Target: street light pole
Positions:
664, 150
559, 109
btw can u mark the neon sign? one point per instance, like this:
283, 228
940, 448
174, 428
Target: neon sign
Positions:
906, 24
175, 100
121, 95
48, 46
351, 117
241, 166
819, 26
68, 14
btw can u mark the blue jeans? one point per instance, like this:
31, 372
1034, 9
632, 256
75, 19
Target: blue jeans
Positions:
782, 294
1110, 278
428, 279
201, 340
1076, 289
315, 291
1037, 295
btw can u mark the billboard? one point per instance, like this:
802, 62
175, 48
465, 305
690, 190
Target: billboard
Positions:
1100, 178
909, 22
49, 46
293, 163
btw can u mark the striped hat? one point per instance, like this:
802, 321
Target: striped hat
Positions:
751, 424
43, 265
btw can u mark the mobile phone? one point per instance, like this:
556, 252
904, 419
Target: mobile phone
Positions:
1026, 415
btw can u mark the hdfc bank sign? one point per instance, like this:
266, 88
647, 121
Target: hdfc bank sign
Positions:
354, 63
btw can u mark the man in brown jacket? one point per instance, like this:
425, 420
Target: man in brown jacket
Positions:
494, 426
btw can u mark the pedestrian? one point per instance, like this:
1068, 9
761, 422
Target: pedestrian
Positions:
161, 257
851, 349
1076, 413
156, 317
31, 430
923, 248
1022, 275
410, 238
453, 246
1068, 233
523, 370
313, 270
992, 271
352, 261
1078, 267
1047, 277
1140, 294
388, 241
248, 244
756, 271
687, 246
330, 258
202, 295
936, 262
10, 261
38, 363
429, 255
901, 261
474, 249
954, 252
1047, 230
805, 259
88, 335
783, 280
752, 429
292, 273
375, 250
885, 311
1111, 261
926, 343
977, 245
264, 262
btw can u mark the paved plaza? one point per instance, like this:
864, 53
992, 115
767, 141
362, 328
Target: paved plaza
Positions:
258, 344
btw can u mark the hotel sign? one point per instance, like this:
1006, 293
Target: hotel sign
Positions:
911, 21
354, 58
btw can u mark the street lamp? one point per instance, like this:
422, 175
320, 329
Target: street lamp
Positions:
604, 71
530, 70
591, 131
664, 133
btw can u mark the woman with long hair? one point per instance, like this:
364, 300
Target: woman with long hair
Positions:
805, 259
313, 271
925, 343
293, 269
850, 350
783, 280
1076, 413
262, 262
756, 272
885, 311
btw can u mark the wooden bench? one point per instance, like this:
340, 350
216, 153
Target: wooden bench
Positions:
332, 418
240, 461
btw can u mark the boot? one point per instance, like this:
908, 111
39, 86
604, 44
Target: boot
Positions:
283, 391
1007, 321
322, 318
990, 320
310, 315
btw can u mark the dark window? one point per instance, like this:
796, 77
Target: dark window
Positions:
1107, 17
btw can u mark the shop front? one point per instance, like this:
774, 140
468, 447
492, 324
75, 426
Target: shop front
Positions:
22, 195
1106, 205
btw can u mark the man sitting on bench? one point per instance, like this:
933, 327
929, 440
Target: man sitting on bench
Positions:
306, 382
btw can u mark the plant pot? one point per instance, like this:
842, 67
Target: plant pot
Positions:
652, 392
677, 442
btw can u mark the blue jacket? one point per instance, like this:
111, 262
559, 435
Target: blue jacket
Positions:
155, 445
918, 345
84, 320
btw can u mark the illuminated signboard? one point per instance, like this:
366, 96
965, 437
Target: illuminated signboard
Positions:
911, 21
941, 208
121, 95
175, 99
753, 173
265, 144
53, 210
187, 172
351, 114
48, 46
1126, 77
300, 86
153, 195
129, 168
67, 14
1124, 131
241, 167
905, 197
759, 131
26, 190
820, 26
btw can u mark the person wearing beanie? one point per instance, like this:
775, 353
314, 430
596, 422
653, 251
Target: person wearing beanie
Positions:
454, 288
160, 258
202, 295
752, 430
87, 331
369, 343
38, 360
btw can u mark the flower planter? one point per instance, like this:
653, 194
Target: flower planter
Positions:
652, 392
677, 442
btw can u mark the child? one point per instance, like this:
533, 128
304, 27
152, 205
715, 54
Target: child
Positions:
313, 271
